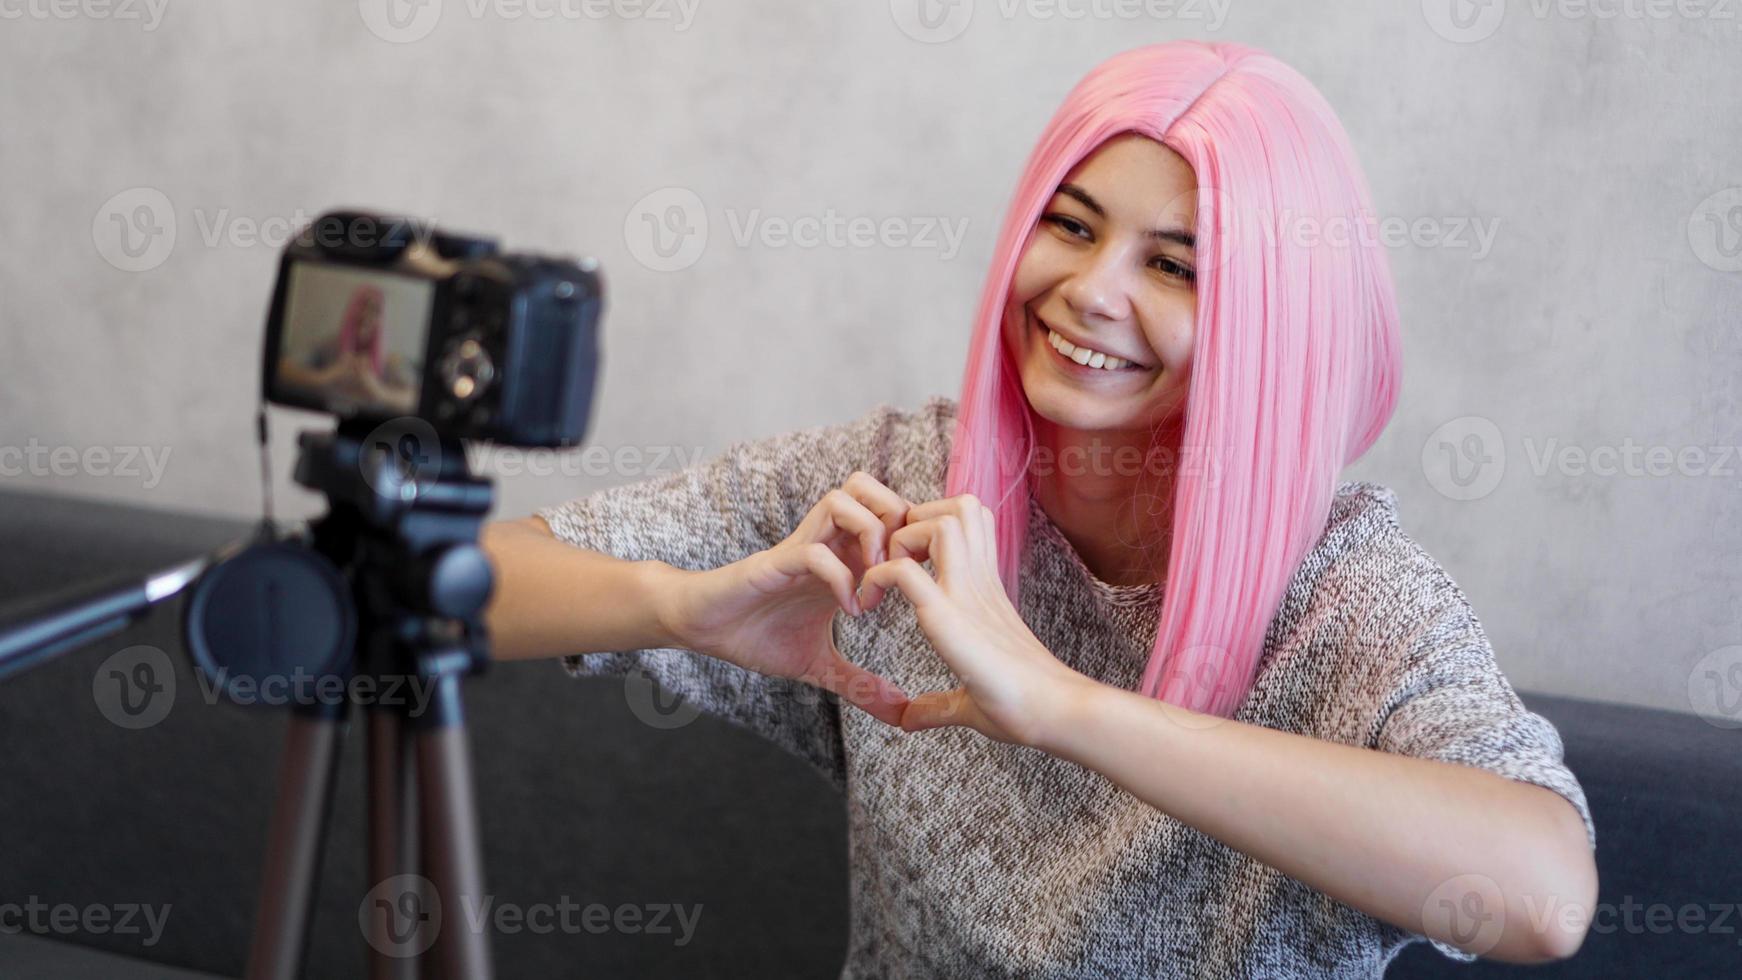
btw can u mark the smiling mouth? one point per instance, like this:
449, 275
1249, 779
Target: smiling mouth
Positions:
1047, 334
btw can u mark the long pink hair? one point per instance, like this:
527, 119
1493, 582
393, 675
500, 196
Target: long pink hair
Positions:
1296, 359
352, 322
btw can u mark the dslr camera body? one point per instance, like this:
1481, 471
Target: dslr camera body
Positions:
375, 317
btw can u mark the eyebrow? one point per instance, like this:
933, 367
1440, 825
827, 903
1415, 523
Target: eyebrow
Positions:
1176, 235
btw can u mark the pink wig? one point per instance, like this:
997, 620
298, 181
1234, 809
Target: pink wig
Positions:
1296, 358
353, 322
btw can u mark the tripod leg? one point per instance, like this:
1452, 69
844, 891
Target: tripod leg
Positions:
293, 844
450, 826
392, 829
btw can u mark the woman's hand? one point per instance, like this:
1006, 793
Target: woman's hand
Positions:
774, 611
1012, 686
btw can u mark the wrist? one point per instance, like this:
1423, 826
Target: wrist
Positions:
1076, 702
665, 586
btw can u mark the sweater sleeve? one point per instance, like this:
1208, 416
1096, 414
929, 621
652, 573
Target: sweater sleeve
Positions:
742, 501
1448, 700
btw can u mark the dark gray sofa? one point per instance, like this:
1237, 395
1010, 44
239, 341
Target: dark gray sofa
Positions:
580, 801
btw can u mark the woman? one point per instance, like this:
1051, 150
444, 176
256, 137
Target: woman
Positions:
1200, 710
354, 362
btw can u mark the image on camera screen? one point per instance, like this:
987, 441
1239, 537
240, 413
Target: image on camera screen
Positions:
353, 339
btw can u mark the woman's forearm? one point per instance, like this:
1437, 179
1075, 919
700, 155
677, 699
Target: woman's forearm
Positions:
552, 598
1387, 834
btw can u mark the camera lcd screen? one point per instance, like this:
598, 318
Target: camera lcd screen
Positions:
353, 339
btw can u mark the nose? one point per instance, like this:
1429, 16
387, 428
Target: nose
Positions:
1099, 287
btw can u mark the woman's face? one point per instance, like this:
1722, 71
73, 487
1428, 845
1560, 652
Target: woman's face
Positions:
368, 318
1110, 267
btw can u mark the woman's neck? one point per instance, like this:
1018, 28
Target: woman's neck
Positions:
1111, 495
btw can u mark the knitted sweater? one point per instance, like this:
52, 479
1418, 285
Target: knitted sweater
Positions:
975, 858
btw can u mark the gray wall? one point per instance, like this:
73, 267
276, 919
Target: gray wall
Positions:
1568, 187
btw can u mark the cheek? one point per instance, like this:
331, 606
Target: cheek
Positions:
1039, 269
1170, 336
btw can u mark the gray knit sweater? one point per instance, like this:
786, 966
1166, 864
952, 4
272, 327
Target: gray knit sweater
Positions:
973, 858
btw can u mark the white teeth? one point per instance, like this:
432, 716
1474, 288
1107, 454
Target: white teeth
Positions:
1083, 355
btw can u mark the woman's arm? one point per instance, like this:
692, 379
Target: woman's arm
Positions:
552, 598
1406, 840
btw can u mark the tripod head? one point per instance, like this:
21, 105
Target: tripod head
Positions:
388, 577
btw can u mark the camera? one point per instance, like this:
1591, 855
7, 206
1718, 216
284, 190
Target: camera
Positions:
376, 317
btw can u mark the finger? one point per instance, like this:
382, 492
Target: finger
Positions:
905, 574
942, 540
875, 695
837, 513
816, 560
938, 709
889, 506
960, 504
891, 509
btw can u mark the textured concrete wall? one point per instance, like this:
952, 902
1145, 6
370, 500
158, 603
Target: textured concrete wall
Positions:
1564, 181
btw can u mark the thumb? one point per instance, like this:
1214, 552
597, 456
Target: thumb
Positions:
871, 693
937, 709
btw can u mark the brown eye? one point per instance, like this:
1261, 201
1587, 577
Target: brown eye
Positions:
1070, 225
1175, 268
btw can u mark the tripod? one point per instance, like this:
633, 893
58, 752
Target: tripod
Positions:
406, 545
